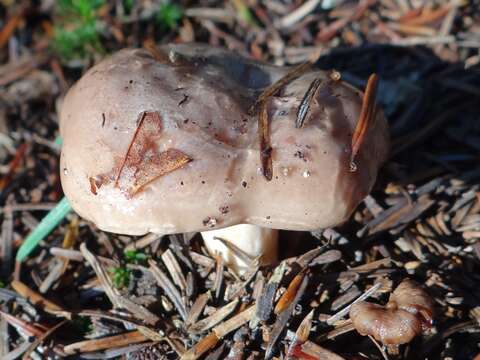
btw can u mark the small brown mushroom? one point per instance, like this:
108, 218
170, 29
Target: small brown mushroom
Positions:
407, 314
164, 142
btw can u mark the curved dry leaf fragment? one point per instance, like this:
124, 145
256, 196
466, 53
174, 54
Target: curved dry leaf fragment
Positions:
143, 162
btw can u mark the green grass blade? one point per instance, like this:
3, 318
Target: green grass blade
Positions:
48, 223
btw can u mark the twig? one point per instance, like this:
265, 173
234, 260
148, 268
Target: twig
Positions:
116, 299
334, 318
304, 107
105, 343
213, 319
41, 339
378, 347
367, 115
298, 14
34, 297
170, 290
265, 144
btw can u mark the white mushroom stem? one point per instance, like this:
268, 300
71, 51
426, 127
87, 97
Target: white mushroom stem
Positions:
240, 245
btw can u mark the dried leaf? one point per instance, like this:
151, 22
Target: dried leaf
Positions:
143, 162
303, 331
399, 214
326, 258
157, 54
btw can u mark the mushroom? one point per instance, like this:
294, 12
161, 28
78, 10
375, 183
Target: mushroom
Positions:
164, 141
407, 314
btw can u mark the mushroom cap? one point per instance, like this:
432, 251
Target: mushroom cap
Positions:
408, 312
167, 145
390, 326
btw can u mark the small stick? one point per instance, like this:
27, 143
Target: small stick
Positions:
334, 318
304, 107
214, 319
301, 335
132, 337
366, 116
197, 308
288, 296
378, 347
41, 339
174, 269
170, 290
277, 85
34, 297
265, 144
261, 105
218, 332
218, 283
157, 54
27, 328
